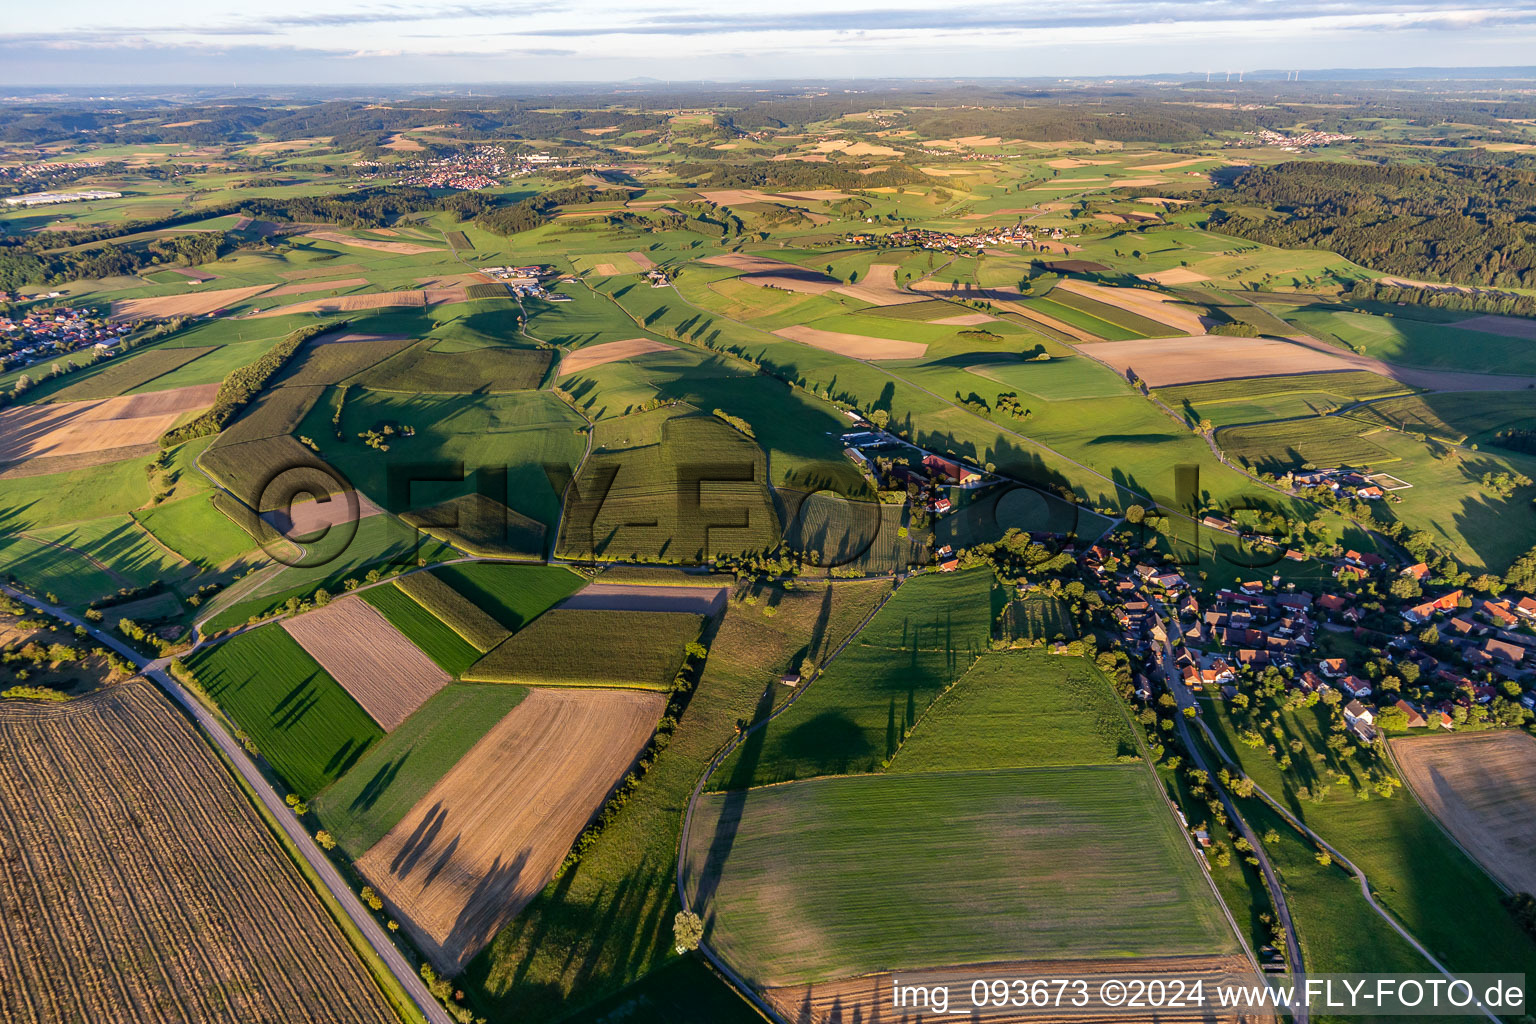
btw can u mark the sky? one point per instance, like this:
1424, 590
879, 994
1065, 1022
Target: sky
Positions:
337, 42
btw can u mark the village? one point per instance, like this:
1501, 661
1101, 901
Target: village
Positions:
943, 241
48, 333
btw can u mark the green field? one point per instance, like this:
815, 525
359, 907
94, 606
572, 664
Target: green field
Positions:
1269, 398
513, 595
1037, 617
588, 647
1025, 709
1325, 441
1077, 311
838, 877
61, 572
1404, 338
197, 531
453, 609
334, 362
306, 726
853, 716
387, 781
117, 544
437, 639
1453, 416
424, 368
124, 373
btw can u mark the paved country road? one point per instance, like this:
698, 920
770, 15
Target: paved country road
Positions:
235, 754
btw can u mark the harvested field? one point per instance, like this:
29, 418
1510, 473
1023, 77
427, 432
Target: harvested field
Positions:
346, 339
320, 363
306, 287
489, 835
349, 303
879, 287
194, 274
641, 260
455, 610
1505, 326
189, 304
1171, 164
458, 240
75, 428
1481, 788
621, 597
1163, 309
65, 463
121, 910
1164, 361
421, 368
1178, 275
394, 248
639, 650
856, 346
125, 373
870, 997
610, 352
382, 670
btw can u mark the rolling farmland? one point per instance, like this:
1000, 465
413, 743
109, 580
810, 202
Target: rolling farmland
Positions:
435, 637
453, 609
118, 911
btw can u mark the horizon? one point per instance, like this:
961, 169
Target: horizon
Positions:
600, 42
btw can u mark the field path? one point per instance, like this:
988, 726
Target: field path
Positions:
294, 834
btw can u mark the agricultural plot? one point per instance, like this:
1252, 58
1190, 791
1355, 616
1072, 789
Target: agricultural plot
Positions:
187, 304
486, 838
835, 878
1264, 398
1095, 319
513, 595
687, 490
334, 362
848, 534
116, 544
96, 863
456, 611
1146, 312
77, 428
1322, 441
855, 346
588, 647
1165, 362
1452, 416
125, 373
393, 248
1023, 709
357, 303
1411, 341
1037, 617
63, 572
482, 526
450, 651
1481, 788
422, 368
609, 352
304, 723
382, 670
362, 806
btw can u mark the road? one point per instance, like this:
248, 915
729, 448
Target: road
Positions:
235, 754
1186, 699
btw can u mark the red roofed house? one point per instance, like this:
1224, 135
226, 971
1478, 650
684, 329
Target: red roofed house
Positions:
1415, 720
1418, 572
953, 472
1499, 611
1424, 612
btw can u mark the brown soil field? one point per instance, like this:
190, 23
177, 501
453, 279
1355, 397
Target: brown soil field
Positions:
305, 287
609, 352
1481, 787
196, 275
1165, 309
607, 270
1507, 326
444, 281
140, 885
330, 270
879, 287
855, 345
349, 303
1111, 218
626, 597
1162, 201
489, 835
190, 304
870, 998
966, 320
1006, 300
75, 428
1065, 163
387, 232
1165, 361
815, 195
382, 670
397, 248
1178, 275
307, 517
641, 260
747, 262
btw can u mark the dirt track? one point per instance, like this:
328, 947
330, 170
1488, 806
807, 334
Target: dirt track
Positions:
1482, 788
488, 837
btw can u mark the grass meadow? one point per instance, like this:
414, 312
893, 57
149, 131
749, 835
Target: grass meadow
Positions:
589, 647
306, 726
452, 653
